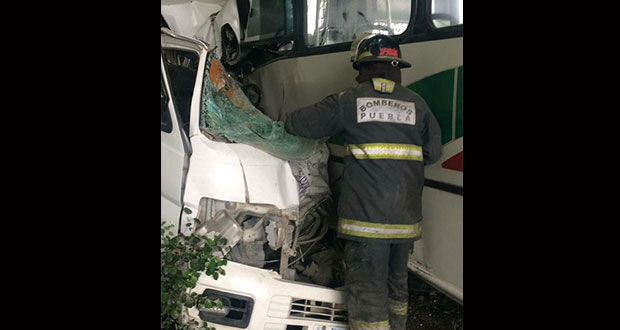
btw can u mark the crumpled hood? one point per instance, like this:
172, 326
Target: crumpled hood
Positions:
241, 173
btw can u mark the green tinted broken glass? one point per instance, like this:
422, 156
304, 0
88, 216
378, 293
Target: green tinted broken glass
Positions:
225, 110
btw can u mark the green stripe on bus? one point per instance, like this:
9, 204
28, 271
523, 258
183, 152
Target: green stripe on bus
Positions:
459, 104
438, 91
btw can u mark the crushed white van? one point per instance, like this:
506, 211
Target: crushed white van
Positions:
274, 212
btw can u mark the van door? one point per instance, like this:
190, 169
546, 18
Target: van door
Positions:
173, 158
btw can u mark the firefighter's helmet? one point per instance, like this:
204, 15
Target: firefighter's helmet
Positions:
370, 47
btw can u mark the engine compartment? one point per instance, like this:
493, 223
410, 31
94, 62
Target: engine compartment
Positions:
262, 236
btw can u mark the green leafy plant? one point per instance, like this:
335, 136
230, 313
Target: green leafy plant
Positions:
183, 260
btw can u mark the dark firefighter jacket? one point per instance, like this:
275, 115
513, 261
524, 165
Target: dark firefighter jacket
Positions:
390, 134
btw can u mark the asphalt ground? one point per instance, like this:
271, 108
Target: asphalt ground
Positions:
429, 309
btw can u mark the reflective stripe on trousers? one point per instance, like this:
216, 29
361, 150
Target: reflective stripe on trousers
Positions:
386, 151
397, 307
378, 230
360, 325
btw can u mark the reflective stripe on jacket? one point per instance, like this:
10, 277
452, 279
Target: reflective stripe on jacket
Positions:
386, 151
390, 134
377, 230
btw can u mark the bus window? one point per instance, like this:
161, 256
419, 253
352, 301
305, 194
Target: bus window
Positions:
447, 12
269, 19
337, 21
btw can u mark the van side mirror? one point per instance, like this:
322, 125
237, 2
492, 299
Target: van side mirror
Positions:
286, 46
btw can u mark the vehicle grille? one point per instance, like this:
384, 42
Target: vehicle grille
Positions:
314, 309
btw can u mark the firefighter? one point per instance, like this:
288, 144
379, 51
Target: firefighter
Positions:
390, 135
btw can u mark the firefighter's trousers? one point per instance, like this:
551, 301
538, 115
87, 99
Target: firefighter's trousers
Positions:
376, 284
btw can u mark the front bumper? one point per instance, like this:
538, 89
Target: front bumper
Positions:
277, 303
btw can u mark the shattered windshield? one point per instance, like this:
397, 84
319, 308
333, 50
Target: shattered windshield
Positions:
225, 110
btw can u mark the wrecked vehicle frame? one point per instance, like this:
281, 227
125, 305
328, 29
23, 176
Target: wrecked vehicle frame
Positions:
274, 213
